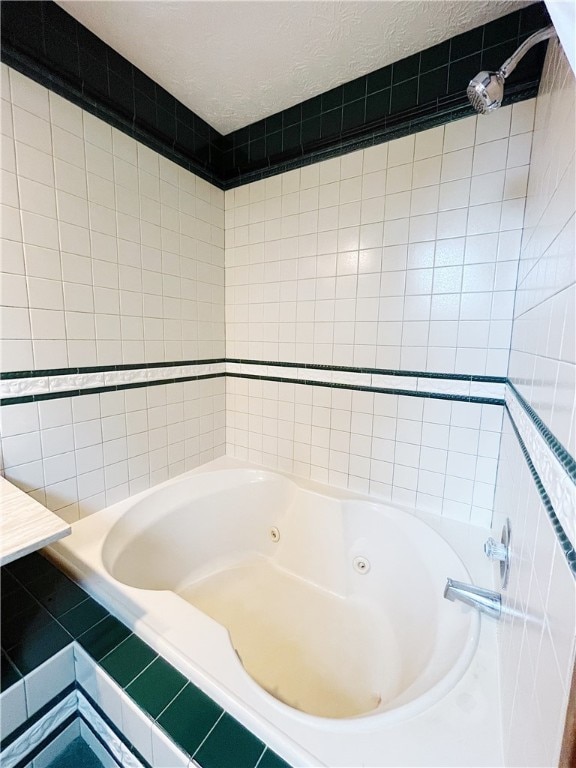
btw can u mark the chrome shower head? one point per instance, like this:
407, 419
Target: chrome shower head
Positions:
486, 90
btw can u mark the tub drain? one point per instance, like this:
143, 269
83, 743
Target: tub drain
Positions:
361, 564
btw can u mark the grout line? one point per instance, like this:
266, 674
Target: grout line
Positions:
188, 682
199, 747
145, 668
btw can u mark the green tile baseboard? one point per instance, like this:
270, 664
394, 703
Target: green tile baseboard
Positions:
42, 41
195, 723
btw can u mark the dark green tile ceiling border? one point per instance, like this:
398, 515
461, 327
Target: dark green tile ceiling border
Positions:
426, 89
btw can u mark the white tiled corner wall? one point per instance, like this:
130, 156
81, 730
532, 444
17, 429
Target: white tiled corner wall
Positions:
400, 256
537, 642
543, 350
111, 254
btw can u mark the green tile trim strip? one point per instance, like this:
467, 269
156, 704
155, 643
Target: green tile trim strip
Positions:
310, 382
565, 543
8, 375
565, 459
173, 703
376, 371
111, 388
402, 124
376, 390
426, 89
23, 381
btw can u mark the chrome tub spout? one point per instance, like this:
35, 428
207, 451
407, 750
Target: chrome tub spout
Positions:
485, 600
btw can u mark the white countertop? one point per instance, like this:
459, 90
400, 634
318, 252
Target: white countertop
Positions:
25, 524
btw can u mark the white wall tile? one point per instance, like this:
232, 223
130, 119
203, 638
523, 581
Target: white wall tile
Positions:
12, 708
537, 641
47, 680
80, 142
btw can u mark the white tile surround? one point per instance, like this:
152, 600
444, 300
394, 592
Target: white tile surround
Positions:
112, 253
402, 256
543, 349
77, 455
536, 638
439, 454
537, 642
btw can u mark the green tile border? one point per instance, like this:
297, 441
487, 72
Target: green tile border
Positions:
21, 399
375, 390
425, 89
564, 457
565, 543
43, 372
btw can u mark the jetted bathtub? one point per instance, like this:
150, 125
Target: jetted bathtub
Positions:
288, 603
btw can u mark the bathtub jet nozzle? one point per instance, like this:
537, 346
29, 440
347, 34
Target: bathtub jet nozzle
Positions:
484, 600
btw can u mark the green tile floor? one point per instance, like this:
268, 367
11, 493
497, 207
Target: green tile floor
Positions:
42, 611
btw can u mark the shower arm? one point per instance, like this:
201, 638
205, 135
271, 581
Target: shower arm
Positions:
510, 63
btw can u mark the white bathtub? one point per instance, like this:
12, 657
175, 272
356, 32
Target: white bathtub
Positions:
305, 612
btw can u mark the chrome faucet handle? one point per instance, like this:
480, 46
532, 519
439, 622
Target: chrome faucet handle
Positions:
495, 550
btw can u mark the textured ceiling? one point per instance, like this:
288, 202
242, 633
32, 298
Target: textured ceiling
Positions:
233, 62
